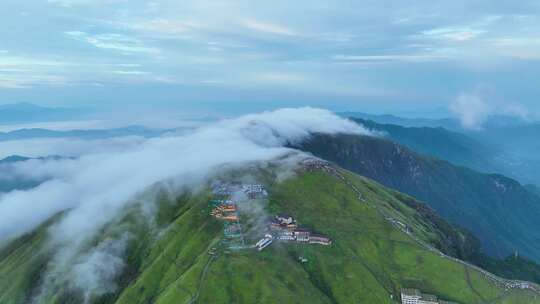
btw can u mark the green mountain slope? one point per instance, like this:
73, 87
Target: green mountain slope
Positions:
498, 210
370, 258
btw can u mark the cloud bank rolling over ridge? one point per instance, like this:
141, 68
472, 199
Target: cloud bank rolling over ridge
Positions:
95, 188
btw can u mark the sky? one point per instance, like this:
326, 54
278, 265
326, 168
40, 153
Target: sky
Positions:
415, 57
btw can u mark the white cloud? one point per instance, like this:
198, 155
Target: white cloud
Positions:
132, 72
38, 170
516, 47
166, 26
24, 71
282, 77
427, 57
95, 272
474, 111
471, 110
109, 179
111, 41
485, 41
306, 39
268, 28
69, 147
71, 3
28, 80
453, 33
518, 110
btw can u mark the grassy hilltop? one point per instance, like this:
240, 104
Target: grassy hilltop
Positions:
369, 261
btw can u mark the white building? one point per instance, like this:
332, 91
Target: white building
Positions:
263, 243
302, 235
286, 238
410, 296
414, 296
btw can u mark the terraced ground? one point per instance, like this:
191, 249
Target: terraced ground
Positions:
369, 262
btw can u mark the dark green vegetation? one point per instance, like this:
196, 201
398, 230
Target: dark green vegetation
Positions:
498, 210
513, 267
369, 260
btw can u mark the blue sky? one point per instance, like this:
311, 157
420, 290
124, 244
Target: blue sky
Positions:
385, 56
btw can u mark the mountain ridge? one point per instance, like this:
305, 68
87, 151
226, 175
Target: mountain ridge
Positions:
133, 130
463, 196
455, 147
370, 260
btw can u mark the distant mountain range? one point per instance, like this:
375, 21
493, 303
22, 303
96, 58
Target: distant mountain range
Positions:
82, 134
13, 159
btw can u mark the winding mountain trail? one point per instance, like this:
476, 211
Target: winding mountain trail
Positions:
195, 297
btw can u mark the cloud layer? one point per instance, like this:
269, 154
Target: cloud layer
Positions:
474, 109
68, 147
471, 110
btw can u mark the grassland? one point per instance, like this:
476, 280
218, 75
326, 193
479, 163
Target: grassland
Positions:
369, 261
